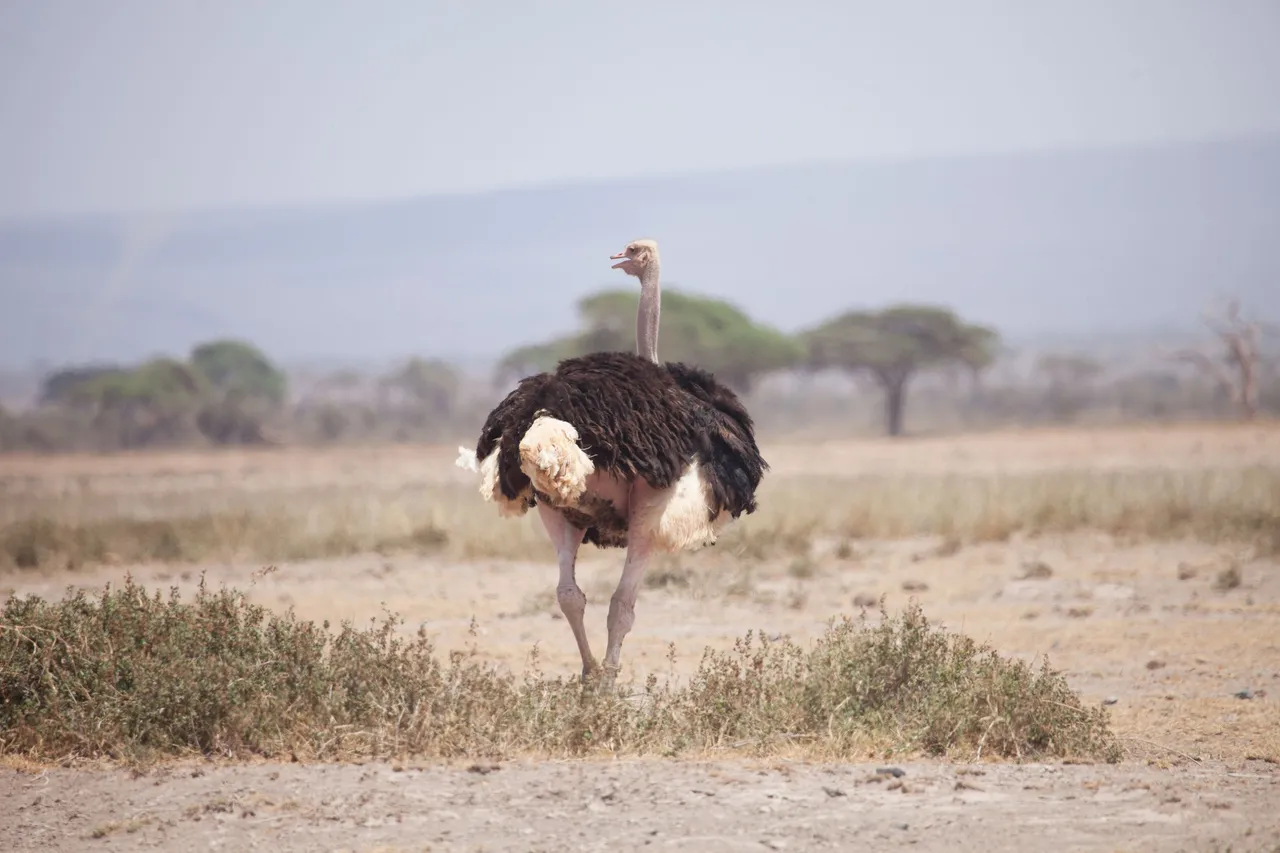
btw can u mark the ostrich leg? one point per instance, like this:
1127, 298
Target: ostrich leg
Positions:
573, 602
622, 607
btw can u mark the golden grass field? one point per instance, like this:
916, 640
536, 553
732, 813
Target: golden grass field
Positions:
1145, 562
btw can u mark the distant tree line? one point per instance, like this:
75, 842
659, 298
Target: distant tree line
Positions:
901, 358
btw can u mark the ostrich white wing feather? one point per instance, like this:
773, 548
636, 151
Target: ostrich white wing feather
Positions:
467, 460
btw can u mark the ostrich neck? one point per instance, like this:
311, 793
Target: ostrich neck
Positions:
647, 316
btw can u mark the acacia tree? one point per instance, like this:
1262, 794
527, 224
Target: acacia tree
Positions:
1235, 366
710, 333
244, 388
236, 367
894, 344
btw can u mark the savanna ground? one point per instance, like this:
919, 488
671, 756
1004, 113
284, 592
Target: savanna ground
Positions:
1144, 562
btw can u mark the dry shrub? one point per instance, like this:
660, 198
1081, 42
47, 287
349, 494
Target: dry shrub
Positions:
132, 676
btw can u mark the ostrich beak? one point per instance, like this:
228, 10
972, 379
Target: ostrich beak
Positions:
623, 256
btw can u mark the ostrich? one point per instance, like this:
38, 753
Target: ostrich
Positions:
621, 451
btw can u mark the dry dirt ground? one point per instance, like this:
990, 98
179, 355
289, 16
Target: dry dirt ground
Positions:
649, 804
1144, 625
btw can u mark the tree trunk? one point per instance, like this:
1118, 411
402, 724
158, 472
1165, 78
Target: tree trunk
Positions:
975, 386
895, 394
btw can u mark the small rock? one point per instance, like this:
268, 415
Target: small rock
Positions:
895, 772
864, 599
1186, 572
833, 792
1227, 579
1036, 570
774, 843
914, 586
1155, 664
903, 826
1110, 700
1243, 694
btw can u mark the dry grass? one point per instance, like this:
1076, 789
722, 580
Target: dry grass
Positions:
134, 676
96, 526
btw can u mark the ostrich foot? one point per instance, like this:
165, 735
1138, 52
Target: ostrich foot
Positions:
599, 677
608, 676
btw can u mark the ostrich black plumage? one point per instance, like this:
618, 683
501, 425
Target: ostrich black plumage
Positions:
620, 450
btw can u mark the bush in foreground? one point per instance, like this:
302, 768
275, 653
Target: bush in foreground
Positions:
131, 676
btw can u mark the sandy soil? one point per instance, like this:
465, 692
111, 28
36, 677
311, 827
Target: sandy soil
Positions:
632, 805
1141, 625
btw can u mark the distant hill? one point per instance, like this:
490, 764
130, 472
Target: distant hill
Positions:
1074, 244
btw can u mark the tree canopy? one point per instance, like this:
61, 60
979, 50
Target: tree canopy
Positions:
224, 392
894, 344
76, 385
236, 368
707, 332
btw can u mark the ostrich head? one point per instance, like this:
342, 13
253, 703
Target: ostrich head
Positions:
637, 257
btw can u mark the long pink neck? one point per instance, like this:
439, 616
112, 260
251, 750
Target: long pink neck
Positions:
650, 310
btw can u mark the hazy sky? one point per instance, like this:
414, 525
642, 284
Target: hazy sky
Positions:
126, 105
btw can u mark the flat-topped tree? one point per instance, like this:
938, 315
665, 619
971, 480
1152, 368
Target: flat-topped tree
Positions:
710, 333
894, 344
